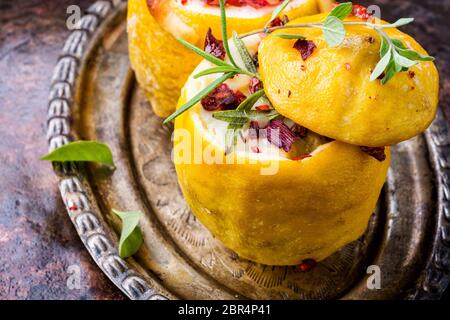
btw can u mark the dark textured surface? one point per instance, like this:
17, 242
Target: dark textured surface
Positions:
37, 240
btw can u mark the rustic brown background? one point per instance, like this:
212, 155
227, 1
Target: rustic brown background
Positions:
37, 240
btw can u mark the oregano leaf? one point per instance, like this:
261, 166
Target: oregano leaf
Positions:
334, 31
131, 236
342, 10
87, 151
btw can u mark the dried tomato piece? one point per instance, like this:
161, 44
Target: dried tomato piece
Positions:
222, 98
306, 47
360, 11
376, 152
254, 85
214, 46
307, 265
299, 130
279, 134
277, 22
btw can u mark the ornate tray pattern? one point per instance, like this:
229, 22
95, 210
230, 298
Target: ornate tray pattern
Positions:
94, 96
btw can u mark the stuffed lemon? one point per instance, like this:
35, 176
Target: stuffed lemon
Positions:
162, 64
283, 157
332, 93
283, 193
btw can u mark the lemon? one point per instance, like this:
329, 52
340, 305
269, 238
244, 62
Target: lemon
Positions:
330, 92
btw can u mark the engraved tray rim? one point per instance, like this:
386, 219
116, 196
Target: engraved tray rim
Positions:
94, 232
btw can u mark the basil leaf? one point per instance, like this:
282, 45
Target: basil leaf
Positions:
202, 93
414, 55
341, 11
221, 69
334, 31
381, 65
402, 61
131, 236
277, 11
398, 23
248, 103
91, 151
204, 54
243, 52
223, 22
289, 36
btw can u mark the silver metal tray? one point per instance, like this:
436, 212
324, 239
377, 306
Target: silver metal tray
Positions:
94, 96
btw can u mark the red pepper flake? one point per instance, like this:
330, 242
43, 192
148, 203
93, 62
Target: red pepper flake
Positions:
370, 39
347, 66
411, 74
222, 98
255, 149
307, 265
73, 207
306, 47
183, 2
376, 152
214, 46
303, 67
254, 85
263, 107
360, 12
289, 93
301, 157
279, 134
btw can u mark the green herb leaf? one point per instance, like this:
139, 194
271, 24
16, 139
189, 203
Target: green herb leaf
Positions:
248, 103
384, 47
240, 117
390, 72
289, 36
381, 65
243, 52
334, 31
202, 93
223, 21
214, 70
204, 54
414, 55
341, 11
402, 61
131, 236
398, 43
396, 24
91, 151
277, 11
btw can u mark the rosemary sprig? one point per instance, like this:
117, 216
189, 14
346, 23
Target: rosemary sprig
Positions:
245, 55
223, 20
199, 96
